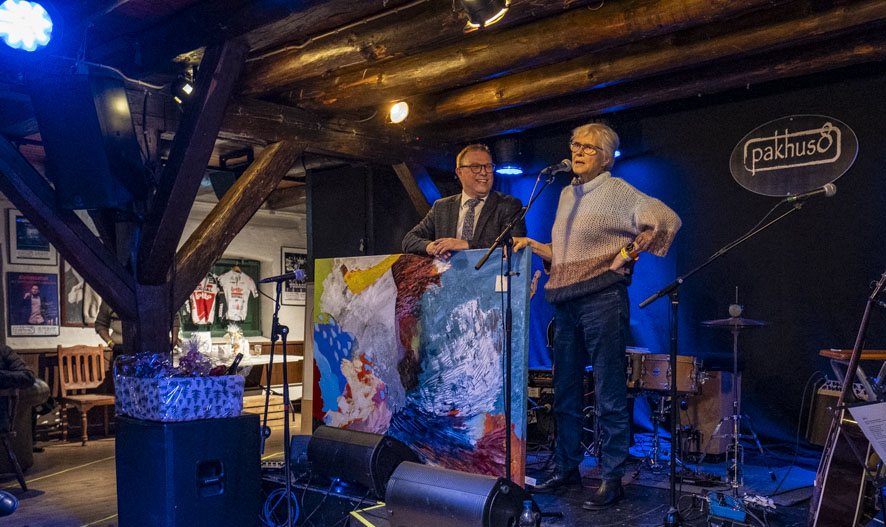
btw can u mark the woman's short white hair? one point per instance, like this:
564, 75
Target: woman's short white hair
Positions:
605, 137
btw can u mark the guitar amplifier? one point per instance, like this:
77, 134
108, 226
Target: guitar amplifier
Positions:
820, 413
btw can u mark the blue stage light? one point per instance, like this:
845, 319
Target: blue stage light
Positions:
24, 25
617, 153
509, 170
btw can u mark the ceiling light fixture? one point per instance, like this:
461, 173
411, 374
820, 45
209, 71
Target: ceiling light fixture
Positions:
399, 112
507, 156
484, 13
24, 25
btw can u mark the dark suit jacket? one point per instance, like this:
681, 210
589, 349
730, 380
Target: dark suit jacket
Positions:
442, 222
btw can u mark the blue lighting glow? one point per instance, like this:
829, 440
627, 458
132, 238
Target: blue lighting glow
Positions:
24, 25
509, 170
618, 153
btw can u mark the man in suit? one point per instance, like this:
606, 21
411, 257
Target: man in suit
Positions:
470, 220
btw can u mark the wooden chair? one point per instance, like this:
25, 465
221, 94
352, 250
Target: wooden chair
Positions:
81, 368
11, 394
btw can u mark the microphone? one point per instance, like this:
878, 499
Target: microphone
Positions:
828, 190
298, 274
562, 166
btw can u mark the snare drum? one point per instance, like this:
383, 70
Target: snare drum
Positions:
655, 373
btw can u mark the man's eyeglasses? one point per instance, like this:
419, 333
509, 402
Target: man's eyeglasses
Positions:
476, 169
588, 150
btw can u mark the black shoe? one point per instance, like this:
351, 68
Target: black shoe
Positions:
558, 480
608, 494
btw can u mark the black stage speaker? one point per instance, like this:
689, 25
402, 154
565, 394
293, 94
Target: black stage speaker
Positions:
92, 154
421, 495
358, 457
188, 474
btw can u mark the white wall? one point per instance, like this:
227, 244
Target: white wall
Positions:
260, 240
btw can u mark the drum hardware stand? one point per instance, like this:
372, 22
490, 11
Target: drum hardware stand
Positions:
672, 518
735, 451
593, 448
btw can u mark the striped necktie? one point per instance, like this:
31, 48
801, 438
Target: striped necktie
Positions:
467, 227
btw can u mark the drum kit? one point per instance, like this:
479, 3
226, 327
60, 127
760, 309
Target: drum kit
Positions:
648, 375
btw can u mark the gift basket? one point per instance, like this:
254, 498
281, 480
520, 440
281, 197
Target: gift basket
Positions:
187, 387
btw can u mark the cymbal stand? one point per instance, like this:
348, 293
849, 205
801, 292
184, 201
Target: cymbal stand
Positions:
672, 517
656, 459
734, 451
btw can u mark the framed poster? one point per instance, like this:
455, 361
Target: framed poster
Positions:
294, 291
32, 304
27, 245
79, 303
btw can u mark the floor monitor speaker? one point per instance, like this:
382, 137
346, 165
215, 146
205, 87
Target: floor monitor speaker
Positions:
426, 495
357, 457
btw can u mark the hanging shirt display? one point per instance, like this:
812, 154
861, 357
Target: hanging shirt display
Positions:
237, 287
202, 304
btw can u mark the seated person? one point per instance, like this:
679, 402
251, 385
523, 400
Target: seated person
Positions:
13, 374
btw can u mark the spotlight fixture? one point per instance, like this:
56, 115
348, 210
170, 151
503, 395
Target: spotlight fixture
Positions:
182, 87
483, 13
399, 112
24, 25
507, 157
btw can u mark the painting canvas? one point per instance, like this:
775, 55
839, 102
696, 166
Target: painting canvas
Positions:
413, 347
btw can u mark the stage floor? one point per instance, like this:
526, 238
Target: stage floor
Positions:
74, 486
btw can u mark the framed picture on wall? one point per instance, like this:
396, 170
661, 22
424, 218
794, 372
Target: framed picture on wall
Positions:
294, 291
27, 245
32, 304
79, 303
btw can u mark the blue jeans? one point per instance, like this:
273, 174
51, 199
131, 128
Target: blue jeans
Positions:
592, 329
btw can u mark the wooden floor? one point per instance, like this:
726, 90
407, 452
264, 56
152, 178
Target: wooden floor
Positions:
75, 486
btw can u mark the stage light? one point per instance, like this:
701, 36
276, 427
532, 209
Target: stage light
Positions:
182, 87
399, 112
508, 170
484, 13
617, 153
25, 25
507, 156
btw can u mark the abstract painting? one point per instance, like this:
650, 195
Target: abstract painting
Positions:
414, 347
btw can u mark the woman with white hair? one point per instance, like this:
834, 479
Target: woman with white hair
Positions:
602, 225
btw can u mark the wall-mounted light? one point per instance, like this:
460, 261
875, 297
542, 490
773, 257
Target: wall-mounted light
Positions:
484, 13
399, 112
25, 25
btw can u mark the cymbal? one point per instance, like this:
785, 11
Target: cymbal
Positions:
734, 323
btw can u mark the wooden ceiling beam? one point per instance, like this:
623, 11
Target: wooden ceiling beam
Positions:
287, 197
397, 32
35, 198
230, 215
785, 64
271, 122
260, 23
419, 186
488, 54
644, 60
186, 166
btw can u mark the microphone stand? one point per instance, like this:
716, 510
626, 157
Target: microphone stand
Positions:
672, 519
505, 238
279, 332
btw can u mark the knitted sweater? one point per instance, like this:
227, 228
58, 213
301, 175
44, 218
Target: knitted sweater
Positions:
594, 221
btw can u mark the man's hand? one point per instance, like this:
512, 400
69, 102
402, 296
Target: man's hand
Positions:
444, 247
